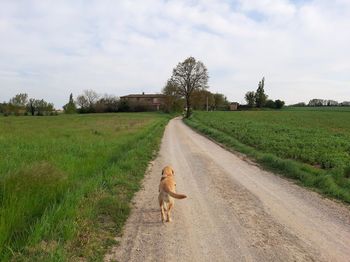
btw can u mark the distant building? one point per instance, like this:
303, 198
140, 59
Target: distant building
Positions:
153, 102
234, 106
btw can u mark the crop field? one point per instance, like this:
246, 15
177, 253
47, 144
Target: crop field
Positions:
312, 146
66, 181
318, 108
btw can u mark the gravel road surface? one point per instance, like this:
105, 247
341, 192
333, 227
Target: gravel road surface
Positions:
234, 211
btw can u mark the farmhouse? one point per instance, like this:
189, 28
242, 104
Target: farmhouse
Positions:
152, 102
233, 106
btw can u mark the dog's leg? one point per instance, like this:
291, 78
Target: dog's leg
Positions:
161, 204
170, 206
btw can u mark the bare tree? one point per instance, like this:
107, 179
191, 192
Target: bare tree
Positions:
87, 101
91, 96
188, 76
82, 101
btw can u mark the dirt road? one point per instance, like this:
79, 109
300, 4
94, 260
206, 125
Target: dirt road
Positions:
234, 211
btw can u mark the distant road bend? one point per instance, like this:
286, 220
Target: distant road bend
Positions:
234, 211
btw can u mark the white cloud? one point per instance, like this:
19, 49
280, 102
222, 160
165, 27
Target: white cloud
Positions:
50, 49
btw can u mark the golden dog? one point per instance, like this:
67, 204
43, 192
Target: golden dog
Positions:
167, 193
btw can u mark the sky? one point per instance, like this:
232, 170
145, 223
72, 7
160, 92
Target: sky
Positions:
50, 49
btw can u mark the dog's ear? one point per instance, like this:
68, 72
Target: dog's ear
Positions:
172, 170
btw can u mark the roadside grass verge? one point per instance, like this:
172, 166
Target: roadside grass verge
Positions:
333, 182
65, 193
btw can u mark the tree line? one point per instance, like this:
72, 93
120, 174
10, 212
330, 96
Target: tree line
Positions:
185, 89
92, 102
21, 104
259, 99
322, 102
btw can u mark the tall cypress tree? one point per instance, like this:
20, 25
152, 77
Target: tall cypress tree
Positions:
260, 96
70, 107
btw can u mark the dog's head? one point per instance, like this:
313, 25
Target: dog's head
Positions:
168, 171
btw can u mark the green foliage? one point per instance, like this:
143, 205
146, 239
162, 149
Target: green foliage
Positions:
200, 98
124, 106
279, 104
189, 76
311, 146
21, 105
16, 105
260, 96
270, 103
65, 189
250, 98
42, 107
220, 102
19, 100
70, 107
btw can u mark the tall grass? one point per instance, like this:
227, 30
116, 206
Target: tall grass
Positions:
311, 147
66, 182
25, 195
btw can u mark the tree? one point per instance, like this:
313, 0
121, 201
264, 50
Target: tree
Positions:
201, 99
70, 107
39, 107
87, 101
270, 103
250, 98
31, 106
82, 102
91, 96
173, 100
317, 102
18, 103
108, 103
42, 107
188, 76
220, 102
260, 96
279, 104
123, 106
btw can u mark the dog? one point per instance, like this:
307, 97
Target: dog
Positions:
167, 193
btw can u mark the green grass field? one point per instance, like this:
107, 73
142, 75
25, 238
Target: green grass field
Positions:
312, 146
66, 181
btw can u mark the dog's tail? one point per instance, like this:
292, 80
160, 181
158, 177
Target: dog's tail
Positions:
175, 195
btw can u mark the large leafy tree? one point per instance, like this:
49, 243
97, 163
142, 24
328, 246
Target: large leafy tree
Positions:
174, 102
250, 98
220, 101
201, 99
188, 76
18, 103
39, 107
